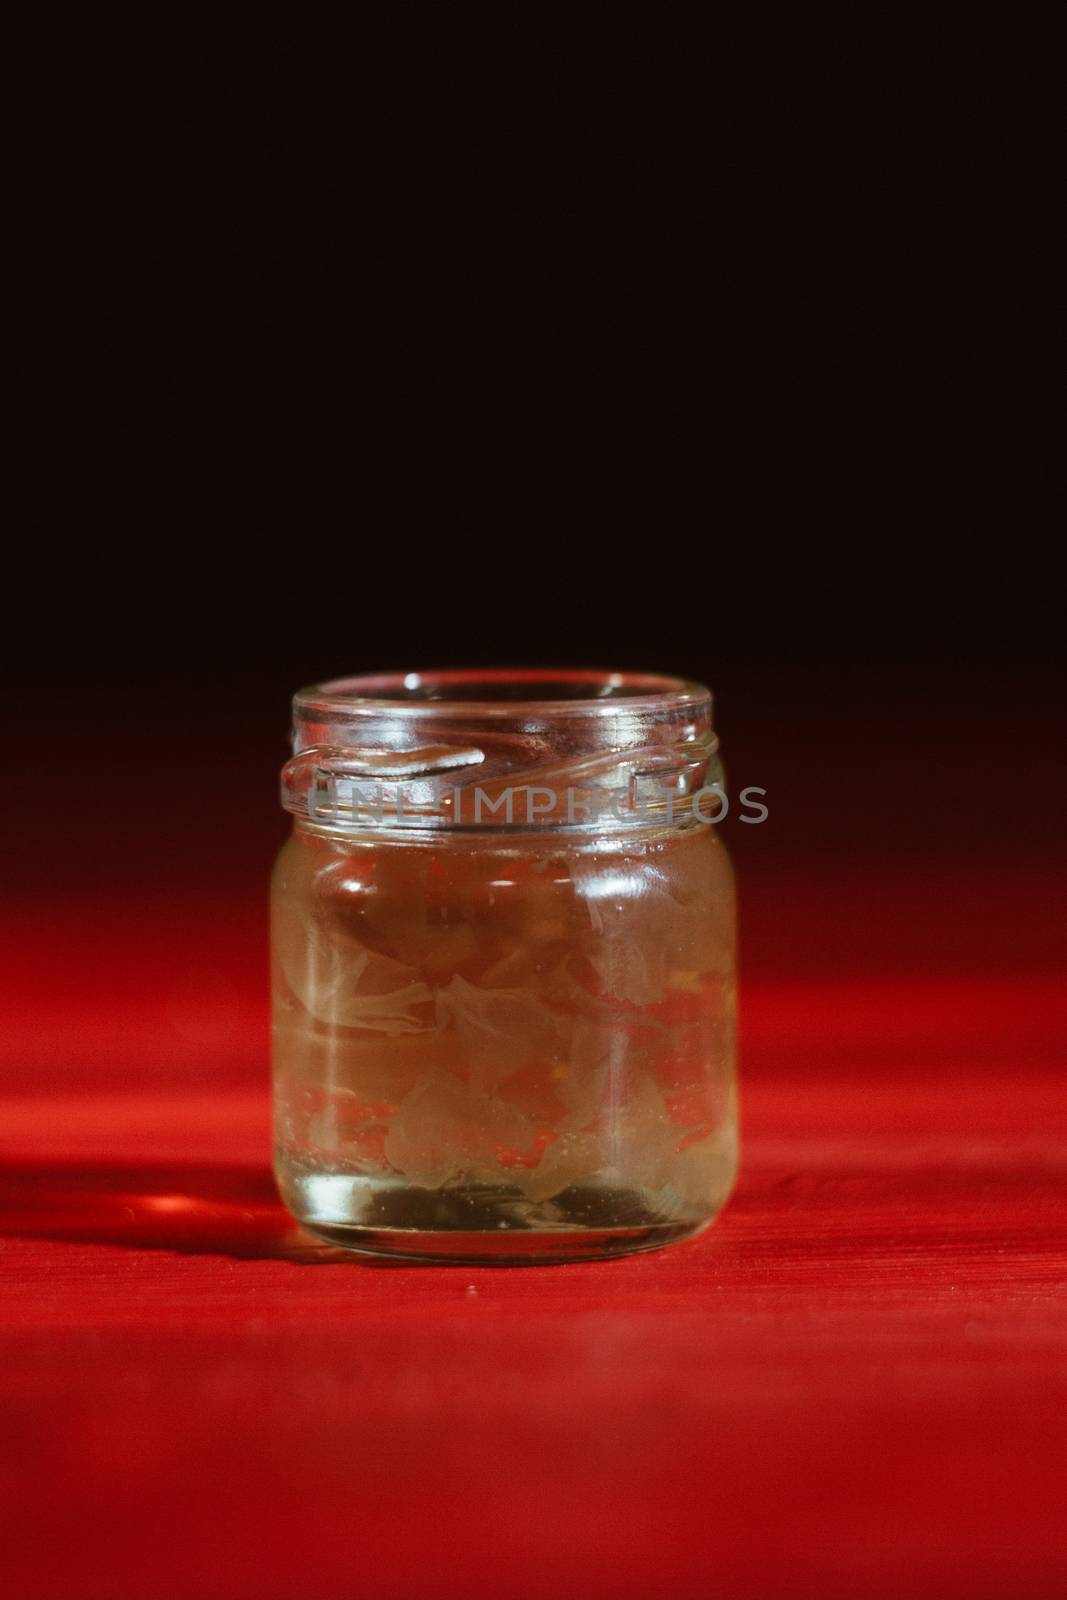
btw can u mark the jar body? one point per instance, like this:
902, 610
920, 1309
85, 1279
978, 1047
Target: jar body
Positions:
511, 1049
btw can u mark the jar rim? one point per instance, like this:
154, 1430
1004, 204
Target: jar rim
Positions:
542, 692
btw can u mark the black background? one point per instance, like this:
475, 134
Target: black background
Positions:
400, 336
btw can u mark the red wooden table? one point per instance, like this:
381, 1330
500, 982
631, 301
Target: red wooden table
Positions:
853, 1385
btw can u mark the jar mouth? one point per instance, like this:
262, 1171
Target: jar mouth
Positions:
503, 691
447, 742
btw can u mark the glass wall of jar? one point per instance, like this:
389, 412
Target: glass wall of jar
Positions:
503, 966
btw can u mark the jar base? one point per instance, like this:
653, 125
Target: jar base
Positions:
478, 1223
526, 1249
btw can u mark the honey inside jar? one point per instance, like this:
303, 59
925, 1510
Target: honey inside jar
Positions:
506, 1044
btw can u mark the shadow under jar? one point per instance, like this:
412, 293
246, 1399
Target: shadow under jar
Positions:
503, 967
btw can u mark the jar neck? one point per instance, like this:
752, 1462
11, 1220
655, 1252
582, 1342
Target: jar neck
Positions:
491, 751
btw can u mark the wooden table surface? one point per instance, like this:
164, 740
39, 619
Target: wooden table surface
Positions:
853, 1385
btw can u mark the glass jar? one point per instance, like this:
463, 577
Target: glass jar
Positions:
503, 966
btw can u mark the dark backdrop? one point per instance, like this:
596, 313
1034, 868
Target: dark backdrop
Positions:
395, 336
